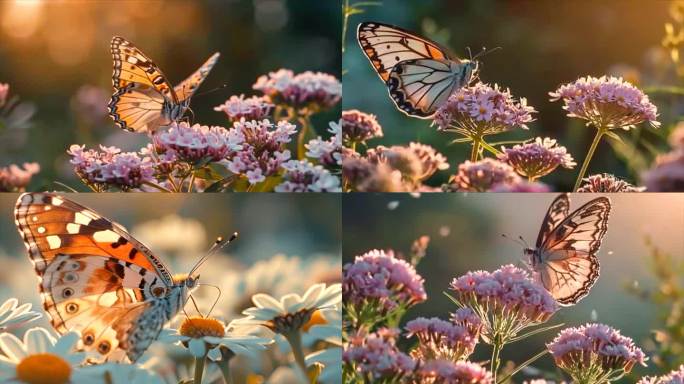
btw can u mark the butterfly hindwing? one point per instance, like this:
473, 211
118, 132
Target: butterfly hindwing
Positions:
94, 277
386, 45
137, 108
558, 210
418, 87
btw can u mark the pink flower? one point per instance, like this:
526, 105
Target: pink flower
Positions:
594, 353
327, 152
198, 143
310, 90
417, 162
536, 159
364, 176
506, 300
90, 103
252, 108
607, 102
521, 186
667, 173
482, 176
15, 179
674, 377
439, 339
302, 176
111, 168
379, 282
449, 372
481, 110
375, 356
358, 127
607, 183
4, 92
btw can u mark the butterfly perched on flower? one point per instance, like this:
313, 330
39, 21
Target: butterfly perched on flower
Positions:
420, 75
96, 279
143, 98
564, 258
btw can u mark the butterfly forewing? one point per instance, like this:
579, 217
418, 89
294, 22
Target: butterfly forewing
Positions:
131, 65
187, 87
567, 265
94, 277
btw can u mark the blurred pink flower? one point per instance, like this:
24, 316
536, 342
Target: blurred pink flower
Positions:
674, 377
252, 108
327, 152
506, 300
595, 353
199, 143
607, 102
263, 151
481, 110
310, 90
358, 127
15, 179
482, 176
607, 183
676, 138
538, 158
450, 372
521, 186
417, 162
302, 176
375, 356
4, 93
90, 103
359, 174
667, 173
109, 167
440, 339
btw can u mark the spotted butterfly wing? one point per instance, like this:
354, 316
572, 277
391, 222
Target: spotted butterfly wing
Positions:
95, 278
565, 258
419, 74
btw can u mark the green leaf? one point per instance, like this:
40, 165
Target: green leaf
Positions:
489, 148
614, 136
267, 185
208, 173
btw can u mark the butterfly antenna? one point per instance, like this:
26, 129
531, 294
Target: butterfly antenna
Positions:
217, 297
523, 244
194, 304
470, 53
524, 241
218, 245
485, 52
223, 86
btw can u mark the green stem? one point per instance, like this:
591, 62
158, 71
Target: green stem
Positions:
199, 369
494, 364
523, 365
585, 165
224, 364
475, 152
345, 22
295, 340
159, 187
303, 135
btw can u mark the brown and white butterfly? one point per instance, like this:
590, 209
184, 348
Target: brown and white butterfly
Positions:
420, 75
564, 259
97, 279
143, 98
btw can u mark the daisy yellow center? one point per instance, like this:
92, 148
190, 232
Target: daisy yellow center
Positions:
316, 319
43, 368
197, 327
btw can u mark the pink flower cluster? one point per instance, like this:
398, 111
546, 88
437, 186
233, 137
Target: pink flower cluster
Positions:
237, 108
379, 279
482, 176
358, 127
507, 293
312, 90
538, 158
110, 167
607, 183
90, 103
375, 356
15, 179
667, 173
607, 102
466, 317
440, 339
521, 186
417, 162
327, 152
4, 93
198, 143
450, 372
674, 377
302, 176
594, 350
481, 110
262, 152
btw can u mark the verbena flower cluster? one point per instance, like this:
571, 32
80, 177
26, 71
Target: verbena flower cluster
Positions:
14, 178
359, 127
674, 377
538, 158
606, 183
482, 176
441, 339
375, 356
448, 371
254, 152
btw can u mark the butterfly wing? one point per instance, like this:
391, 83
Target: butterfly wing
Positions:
418, 87
140, 89
558, 210
94, 277
386, 46
187, 87
569, 266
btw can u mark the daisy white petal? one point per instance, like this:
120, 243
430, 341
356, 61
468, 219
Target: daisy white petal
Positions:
38, 340
262, 300
12, 346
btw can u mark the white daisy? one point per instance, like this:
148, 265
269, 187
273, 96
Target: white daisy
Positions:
205, 337
117, 373
12, 316
40, 358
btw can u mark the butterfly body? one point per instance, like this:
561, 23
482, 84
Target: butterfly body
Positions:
564, 258
96, 279
420, 75
143, 98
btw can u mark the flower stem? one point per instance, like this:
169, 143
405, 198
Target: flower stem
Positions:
345, 22
494, 364
590, 154
295, 340
199, 369
523, 365
475, 152
224, 363
303, 136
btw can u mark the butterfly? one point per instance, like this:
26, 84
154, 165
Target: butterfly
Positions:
564, 258
420, 75
97, 279
143, 98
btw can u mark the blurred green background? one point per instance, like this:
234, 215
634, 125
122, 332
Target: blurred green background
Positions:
465, 232
544, 43
52, 49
